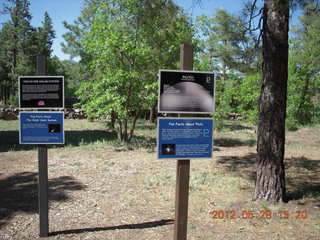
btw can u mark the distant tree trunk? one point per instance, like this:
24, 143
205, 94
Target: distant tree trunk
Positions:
270, 178
302, 114
152, 112
113, 119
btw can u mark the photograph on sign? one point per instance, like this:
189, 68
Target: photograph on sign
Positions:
186, 92
184, 138
41, 128
41, 92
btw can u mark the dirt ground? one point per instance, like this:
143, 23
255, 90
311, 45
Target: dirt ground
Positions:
99, 192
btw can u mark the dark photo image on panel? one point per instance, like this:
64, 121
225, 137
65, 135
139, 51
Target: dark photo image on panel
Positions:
186, 92
168, 149
54, 128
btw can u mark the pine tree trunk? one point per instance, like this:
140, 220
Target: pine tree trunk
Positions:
270, 178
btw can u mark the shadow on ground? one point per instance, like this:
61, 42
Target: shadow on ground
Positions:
153, 224
299, 186
19, 193
236, 126
233, 142
149, 127
306, 181
9, 140
78, 138
244, 165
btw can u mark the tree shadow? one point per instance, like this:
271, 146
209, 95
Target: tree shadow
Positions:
86, 137
144, 142
9, 140
303, 162
305, 185
244, 166
19, 193
236, 126
144, 225
150, 127
234, 142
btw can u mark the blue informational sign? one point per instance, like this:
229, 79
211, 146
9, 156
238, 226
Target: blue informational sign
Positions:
41, 128
185, 138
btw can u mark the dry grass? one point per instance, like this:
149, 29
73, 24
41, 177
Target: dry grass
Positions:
99, 193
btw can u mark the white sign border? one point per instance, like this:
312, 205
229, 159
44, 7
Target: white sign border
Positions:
49, 108
182, 118
190, 71
20, 137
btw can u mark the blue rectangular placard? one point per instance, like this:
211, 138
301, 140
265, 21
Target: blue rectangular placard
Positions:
41, 128
184, 138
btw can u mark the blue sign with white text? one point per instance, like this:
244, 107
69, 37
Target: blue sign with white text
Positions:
184, 138
41, 128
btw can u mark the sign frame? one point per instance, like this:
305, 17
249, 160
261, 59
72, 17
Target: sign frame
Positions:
184, 118
191, 72
41, 108
41, 143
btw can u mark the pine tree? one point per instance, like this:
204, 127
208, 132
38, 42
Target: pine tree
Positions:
270, 180
45, 37
17, 40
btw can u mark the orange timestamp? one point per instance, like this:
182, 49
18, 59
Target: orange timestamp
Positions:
258, 214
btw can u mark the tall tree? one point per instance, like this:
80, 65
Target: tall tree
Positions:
227, 44
227, 47
270, 178
126, 54
304, 68
79, 28
45, 36
17, 39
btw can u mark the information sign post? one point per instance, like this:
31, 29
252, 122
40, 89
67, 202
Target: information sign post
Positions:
189, 93
43, 170
183, 166
44, 127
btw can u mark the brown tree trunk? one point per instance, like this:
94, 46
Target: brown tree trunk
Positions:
113, 119
270, 179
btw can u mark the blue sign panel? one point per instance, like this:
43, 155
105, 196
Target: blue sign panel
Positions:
184, 138
41, 128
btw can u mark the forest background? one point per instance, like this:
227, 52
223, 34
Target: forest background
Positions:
120, 46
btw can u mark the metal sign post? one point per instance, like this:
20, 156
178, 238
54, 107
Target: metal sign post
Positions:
43, 170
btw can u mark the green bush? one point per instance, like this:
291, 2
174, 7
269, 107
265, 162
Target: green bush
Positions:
13, 101
291, 124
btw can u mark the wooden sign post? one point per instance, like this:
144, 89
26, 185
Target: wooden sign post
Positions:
183, 166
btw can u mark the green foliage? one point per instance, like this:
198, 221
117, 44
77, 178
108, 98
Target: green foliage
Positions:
13, 101
74, 74
20, 44
16, 38
126, 41
247, 96
45, 37
239, 95
226, 45
303, 103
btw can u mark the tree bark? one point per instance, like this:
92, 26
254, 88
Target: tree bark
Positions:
133, 126
270, 178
